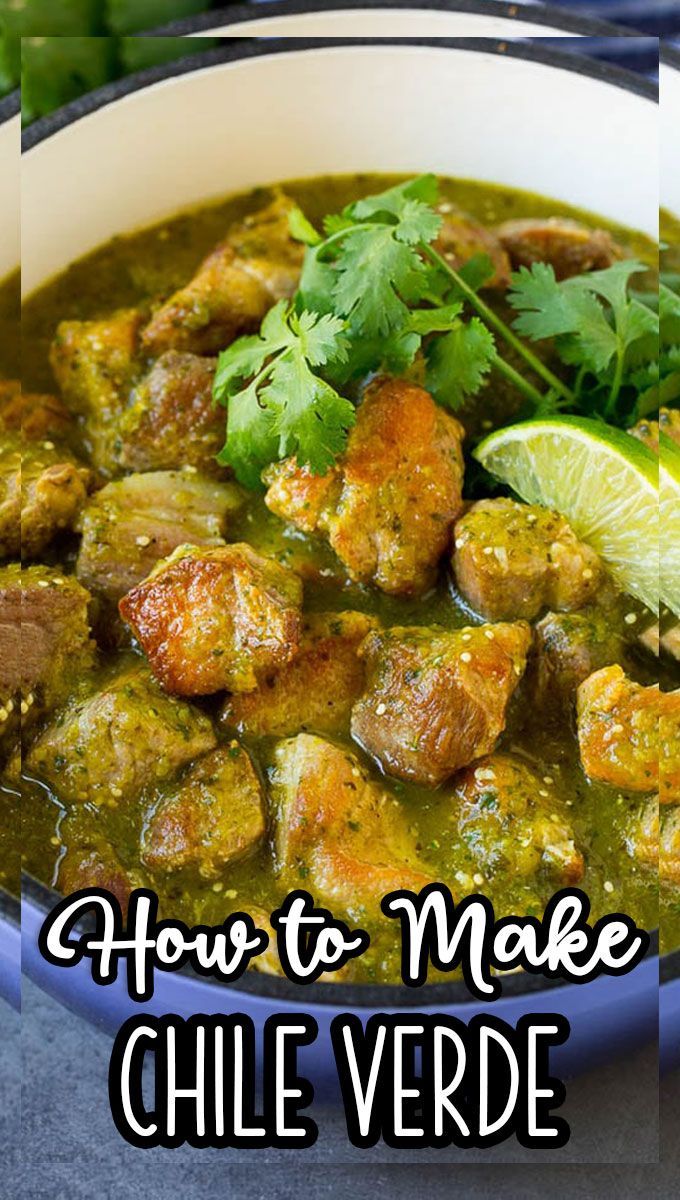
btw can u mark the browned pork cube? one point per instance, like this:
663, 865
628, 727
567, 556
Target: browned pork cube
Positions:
108, 746
10, 497
258, 264
316, 691
669, 747
434, 700
37, 417
669, 848
172, 421
513, 560
97, 866
42, 485
462, 238
95, 364
213, 817
337, 830
570, 646
53, 491
642, 839
618, 730
648, 431
388, 506
133, 522
514, 823
216, 618
45, 644
569, 247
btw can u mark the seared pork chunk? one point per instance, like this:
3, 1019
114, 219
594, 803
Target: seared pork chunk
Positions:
316, 691
37, 417
513, 560
133, 522
642, 840
338, 830
514, 823
648, 431
669, 747
569, 247
654, 840
669, 848
618, 730
53, 491
110, 745
10, 497
257, 264
213, 817
97, 866
171, 421
42, 484
462, 238
437, 700
571, 646
45, 644
216, 618
388, 505
94, 363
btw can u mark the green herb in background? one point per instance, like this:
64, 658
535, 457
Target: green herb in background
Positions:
58, 18
10, 63
55, 74
137, 53
133, 16
58, 69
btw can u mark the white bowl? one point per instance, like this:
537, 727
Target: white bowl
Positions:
10, 159
255, 111
669, 87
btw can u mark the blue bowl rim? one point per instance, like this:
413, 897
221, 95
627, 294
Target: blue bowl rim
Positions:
236, 49
43, 897
549, 15
669, 56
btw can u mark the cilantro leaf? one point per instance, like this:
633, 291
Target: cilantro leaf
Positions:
310, 419
458, 362
598, 326
277, 405
301, 228
377, 275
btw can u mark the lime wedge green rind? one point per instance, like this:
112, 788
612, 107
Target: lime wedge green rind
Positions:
604, 482
669, 523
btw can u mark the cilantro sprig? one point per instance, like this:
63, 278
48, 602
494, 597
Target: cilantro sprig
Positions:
599, 328
279, 405
375, 292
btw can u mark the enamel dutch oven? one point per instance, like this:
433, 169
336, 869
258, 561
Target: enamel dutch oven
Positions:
252, 112
10, 127
669, 993
396, 18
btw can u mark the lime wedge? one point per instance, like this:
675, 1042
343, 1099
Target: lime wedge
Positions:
604, 482
669, 522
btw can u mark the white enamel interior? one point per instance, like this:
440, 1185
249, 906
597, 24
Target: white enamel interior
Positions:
670, 138
10, 159
404, 108
388, 22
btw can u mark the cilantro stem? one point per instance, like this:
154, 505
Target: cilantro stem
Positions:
499, 364
500, 326
617, 380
